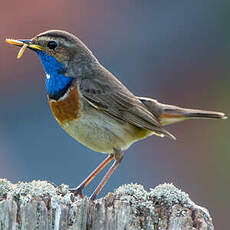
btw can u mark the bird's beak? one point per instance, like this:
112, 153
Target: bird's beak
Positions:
24, 44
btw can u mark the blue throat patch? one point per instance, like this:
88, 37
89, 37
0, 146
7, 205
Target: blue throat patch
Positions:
57, 84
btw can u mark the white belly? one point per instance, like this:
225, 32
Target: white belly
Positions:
102, 133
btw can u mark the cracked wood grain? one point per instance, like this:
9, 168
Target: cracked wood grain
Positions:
40, 205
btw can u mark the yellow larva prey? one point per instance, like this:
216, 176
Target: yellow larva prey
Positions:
21, 51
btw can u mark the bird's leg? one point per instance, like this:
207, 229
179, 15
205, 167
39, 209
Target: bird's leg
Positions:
78, 190
118, 156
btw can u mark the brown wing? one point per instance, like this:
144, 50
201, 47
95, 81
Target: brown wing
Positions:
106, 93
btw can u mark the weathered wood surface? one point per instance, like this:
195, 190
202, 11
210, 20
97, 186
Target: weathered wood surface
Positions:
41, 206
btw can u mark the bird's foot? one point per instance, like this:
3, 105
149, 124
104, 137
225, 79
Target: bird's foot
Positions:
76, 192
93, 196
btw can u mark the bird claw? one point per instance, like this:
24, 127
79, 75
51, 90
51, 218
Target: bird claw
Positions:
93, 197
76, 192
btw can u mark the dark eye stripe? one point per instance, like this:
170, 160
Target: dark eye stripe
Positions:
52, 45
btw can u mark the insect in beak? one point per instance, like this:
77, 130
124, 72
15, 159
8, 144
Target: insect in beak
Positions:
23, 44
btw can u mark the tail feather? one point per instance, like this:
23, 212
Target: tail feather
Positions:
169, 114
173, 114
175, 111
191, 113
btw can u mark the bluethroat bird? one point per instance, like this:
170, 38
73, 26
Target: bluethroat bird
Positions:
93, 106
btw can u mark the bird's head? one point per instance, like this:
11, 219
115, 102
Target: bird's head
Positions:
59, 51
63, 56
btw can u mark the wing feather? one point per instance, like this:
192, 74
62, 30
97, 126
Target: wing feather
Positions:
112, 97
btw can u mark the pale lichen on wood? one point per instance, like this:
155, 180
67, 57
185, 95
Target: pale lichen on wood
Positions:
40, 205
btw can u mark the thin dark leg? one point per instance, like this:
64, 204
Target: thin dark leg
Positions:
118, 158
78, 190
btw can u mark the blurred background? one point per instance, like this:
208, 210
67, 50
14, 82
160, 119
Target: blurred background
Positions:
174, 51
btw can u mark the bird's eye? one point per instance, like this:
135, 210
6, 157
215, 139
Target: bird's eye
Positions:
52, 45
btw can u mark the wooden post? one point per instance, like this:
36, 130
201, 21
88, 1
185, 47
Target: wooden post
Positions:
40, 205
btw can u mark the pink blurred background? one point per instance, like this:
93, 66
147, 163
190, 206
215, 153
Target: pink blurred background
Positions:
176, 52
